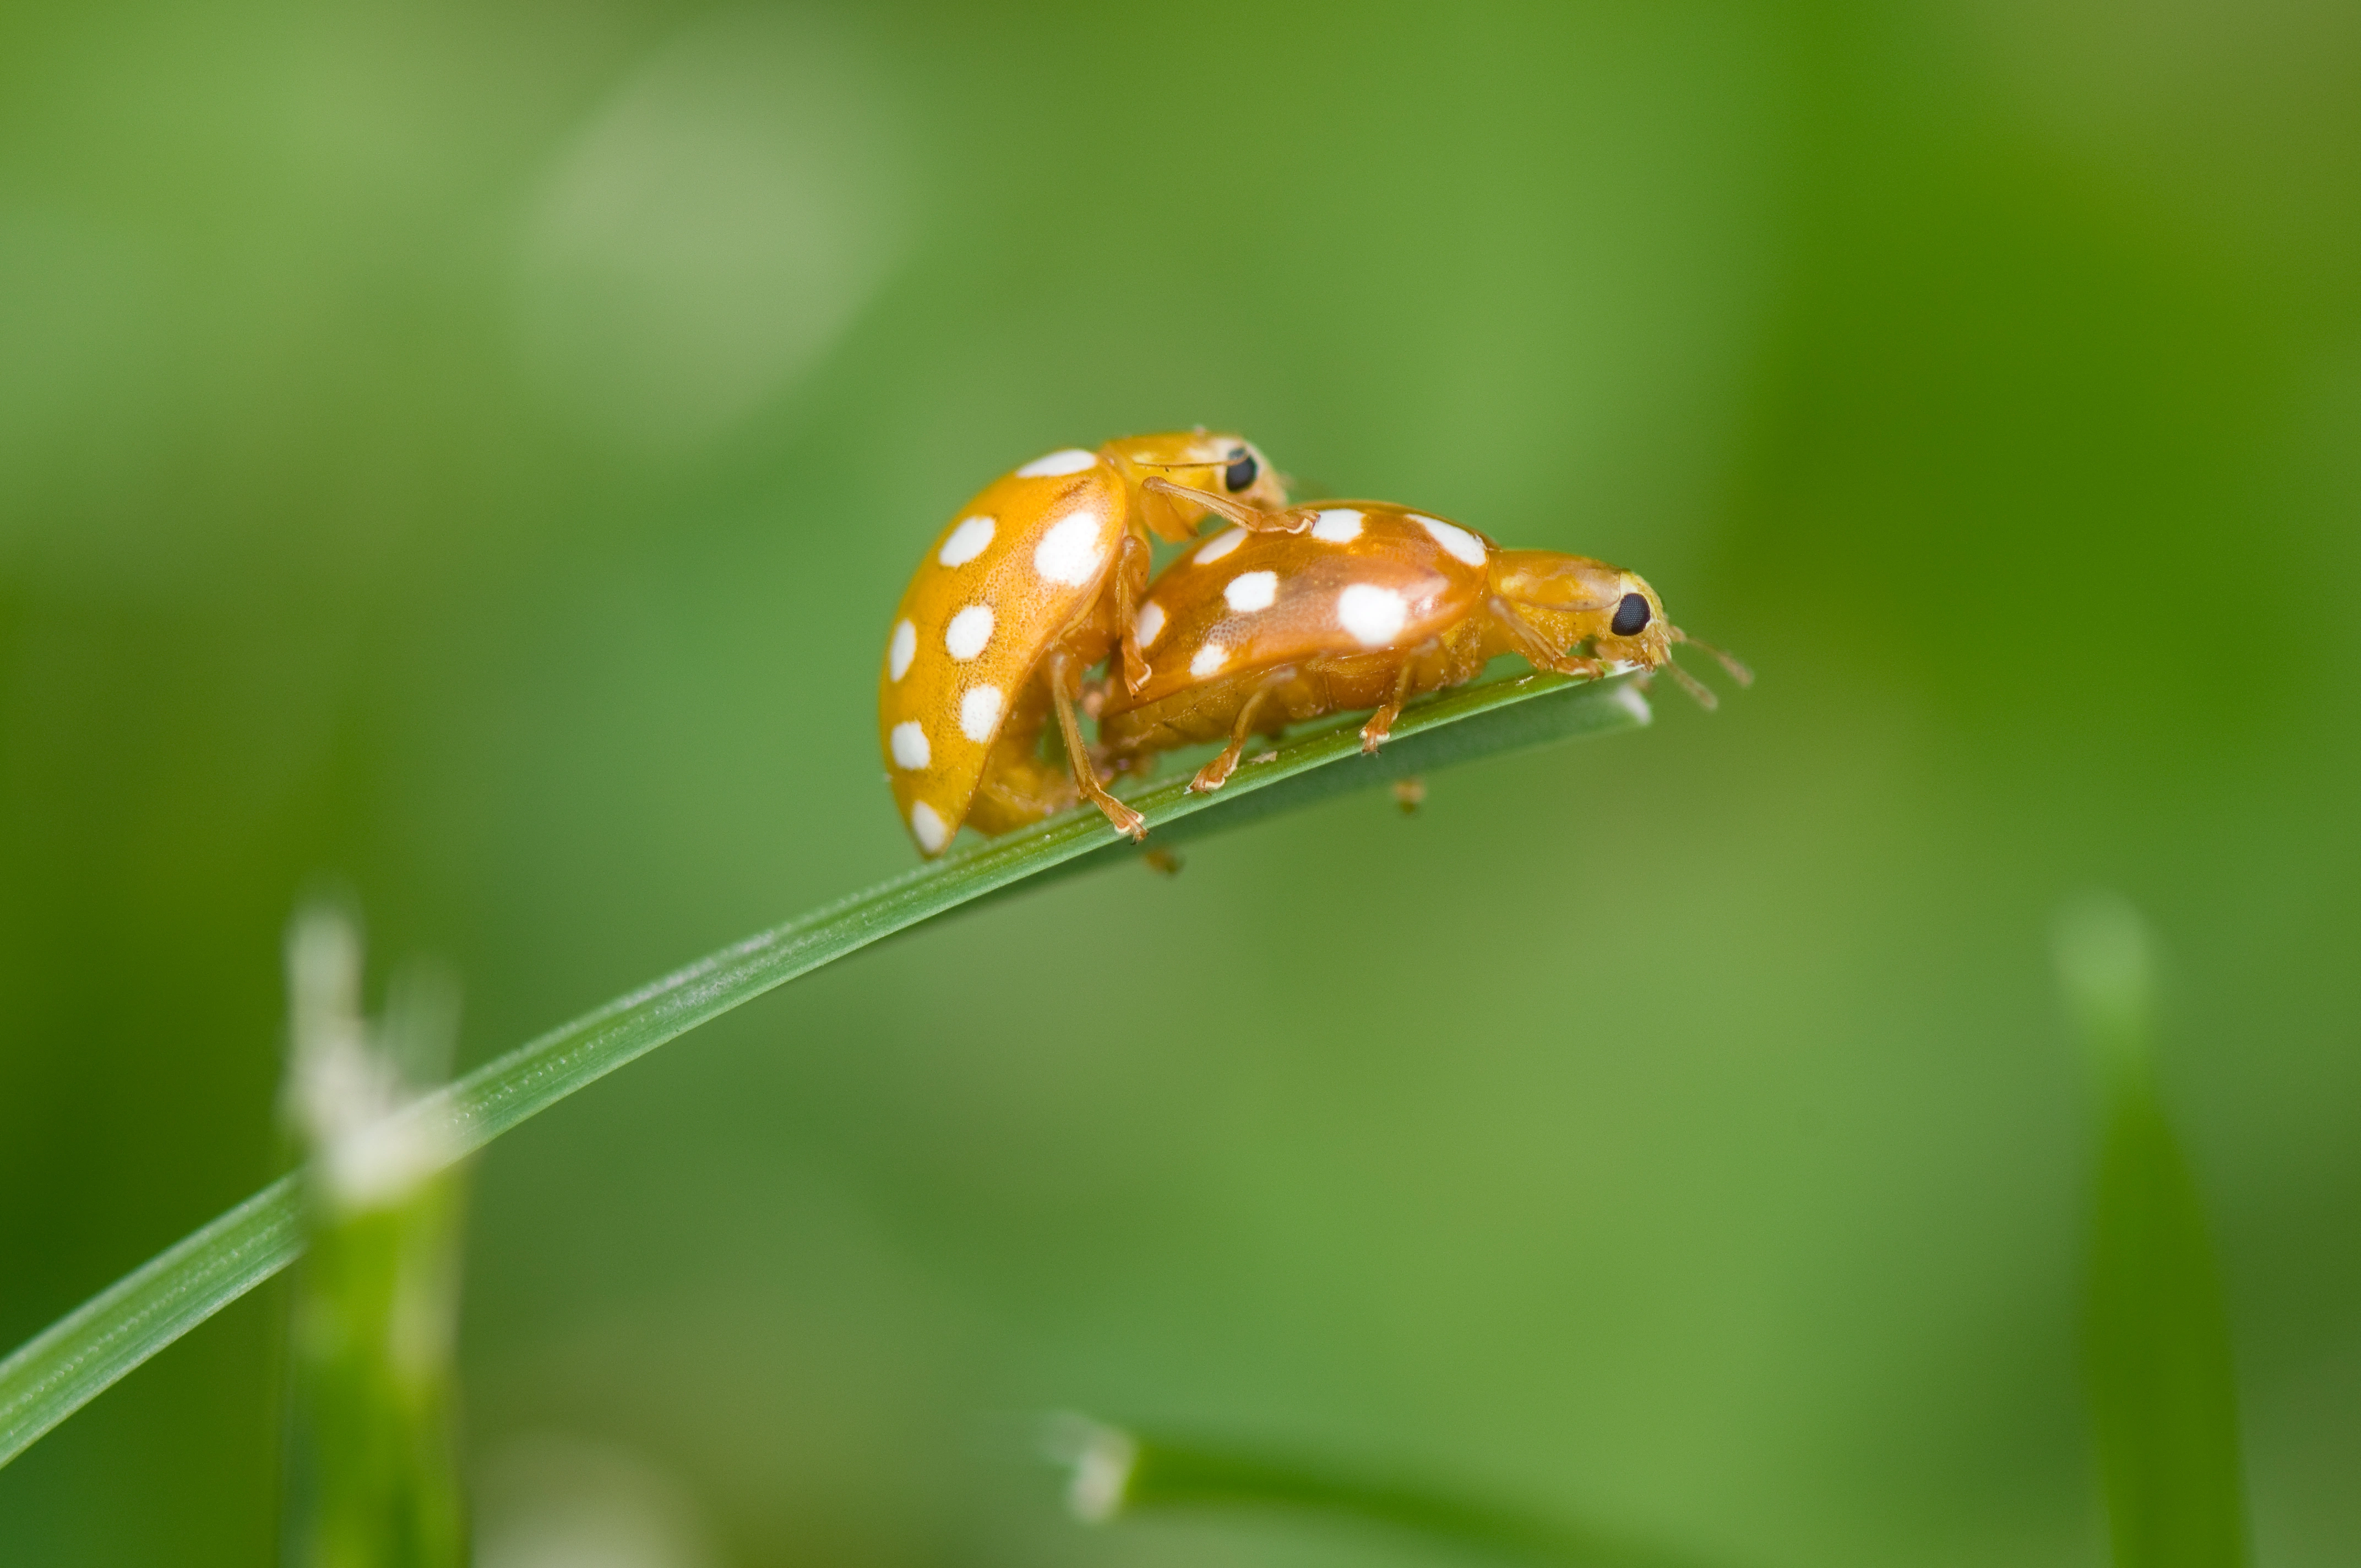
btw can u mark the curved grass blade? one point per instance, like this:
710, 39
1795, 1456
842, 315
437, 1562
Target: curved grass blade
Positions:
1119, 1472
72, 1361
81, 1355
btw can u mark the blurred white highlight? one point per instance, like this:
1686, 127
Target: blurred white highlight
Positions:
551, 1501
352, 1088
1101, 1458
2106, 962
1633, 701
710, 231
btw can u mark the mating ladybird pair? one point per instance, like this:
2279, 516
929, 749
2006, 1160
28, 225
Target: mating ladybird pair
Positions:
1289, 614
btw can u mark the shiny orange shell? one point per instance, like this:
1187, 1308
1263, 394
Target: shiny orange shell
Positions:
1348, 605
1038, 561
1021, 563
1361, 577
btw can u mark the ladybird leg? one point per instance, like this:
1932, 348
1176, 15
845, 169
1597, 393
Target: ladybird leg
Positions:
1253, 519
1130, 572
1216, 774
1381, 723
1536, 649
1064, 677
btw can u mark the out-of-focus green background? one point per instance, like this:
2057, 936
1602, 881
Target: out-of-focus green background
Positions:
471, 451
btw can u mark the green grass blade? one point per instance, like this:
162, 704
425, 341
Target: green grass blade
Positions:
2157, 1330
73, 1360
1120, 1472
68, 1364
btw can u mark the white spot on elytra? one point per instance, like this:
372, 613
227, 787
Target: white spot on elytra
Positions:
980, 713
1151, 622
970, 629
901, 650
1373, 615
910, 748
1070, 552
1210, 658
1453, 538
1338, 525
1252, 590
928, 827
1219, 545
1071, 460
966, 541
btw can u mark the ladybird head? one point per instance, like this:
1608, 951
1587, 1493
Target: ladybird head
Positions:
1636, 632
1584, 600
1614, 611
1215, 462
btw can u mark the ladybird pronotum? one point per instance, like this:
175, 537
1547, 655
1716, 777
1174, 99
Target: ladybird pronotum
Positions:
1363, 604
1032, 583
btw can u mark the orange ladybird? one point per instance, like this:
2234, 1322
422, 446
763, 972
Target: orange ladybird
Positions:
1034, 582
1363, 605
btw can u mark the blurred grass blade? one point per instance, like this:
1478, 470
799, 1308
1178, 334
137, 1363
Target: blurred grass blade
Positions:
372, 1475
372, 1462
1118, 1472
2162, 1386
67, 1364
2162, 1393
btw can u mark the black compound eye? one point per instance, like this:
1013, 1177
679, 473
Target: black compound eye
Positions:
1242, 471
1630, 616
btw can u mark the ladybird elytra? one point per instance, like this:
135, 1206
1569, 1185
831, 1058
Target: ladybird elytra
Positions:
1362, 605
1030, 584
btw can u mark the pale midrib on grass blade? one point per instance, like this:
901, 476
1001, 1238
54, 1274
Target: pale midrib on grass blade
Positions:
72, 1361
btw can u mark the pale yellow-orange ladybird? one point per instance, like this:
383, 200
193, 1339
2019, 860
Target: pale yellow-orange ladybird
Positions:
1034, 582
1363, 604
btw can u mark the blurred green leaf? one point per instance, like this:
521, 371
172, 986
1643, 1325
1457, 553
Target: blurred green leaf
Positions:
1122, 1471
2163, 1388
69, 1363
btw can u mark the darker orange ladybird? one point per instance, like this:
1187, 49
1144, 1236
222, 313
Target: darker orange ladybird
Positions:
1035, 581
1350, 605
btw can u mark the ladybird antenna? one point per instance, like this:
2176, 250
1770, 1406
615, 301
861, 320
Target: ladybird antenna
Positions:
1731, 662
1702, 694
1192, 463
